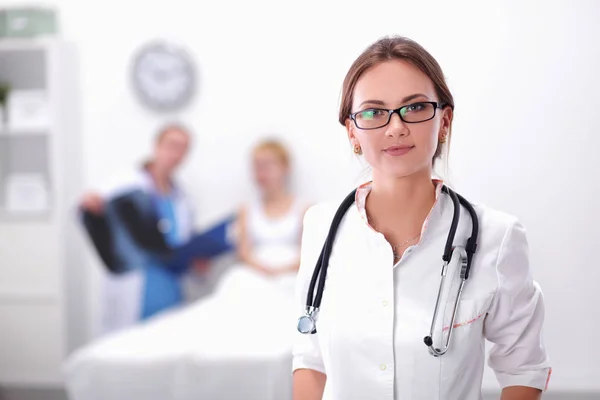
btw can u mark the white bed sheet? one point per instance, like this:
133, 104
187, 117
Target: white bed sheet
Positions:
235, 344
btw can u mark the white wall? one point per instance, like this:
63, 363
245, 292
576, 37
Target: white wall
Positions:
526, 134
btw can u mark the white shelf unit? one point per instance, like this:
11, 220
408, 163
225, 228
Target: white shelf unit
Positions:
41, 270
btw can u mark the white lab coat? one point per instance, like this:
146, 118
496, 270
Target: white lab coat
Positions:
121, 299
374, 315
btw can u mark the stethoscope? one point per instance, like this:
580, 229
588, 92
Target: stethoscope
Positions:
307, 322
164, 224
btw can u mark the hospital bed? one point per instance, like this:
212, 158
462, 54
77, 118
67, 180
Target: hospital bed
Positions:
221, 347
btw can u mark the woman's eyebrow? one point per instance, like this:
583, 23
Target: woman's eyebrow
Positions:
404, 100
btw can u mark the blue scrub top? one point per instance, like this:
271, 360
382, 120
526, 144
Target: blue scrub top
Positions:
162, 288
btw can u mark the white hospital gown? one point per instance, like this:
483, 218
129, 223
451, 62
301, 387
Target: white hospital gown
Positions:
276, 245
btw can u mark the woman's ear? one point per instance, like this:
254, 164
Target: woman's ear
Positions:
447, 116
350, 132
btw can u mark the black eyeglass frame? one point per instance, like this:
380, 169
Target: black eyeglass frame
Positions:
435, 104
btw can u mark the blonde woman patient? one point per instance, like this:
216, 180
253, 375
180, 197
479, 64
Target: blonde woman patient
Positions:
269, 226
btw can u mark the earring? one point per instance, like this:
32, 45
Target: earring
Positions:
443, 139
357, 150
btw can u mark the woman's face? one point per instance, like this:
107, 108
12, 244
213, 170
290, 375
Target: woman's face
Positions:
270, 172
399, 148
171, 149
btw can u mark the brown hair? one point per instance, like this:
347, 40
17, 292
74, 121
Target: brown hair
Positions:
172, 126
277, 148
395, 48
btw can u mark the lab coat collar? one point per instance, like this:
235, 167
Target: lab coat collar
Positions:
363, 191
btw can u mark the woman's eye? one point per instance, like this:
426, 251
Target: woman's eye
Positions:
372, 114
414, 107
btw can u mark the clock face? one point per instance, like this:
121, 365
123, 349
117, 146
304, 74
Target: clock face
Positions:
163, 77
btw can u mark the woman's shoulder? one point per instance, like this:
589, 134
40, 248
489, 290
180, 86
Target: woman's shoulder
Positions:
502, 252
321, 213
499, 228
319, 216
495, 218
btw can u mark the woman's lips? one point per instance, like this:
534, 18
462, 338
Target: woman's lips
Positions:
398, 150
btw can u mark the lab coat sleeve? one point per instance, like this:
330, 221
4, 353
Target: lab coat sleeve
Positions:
306, 351
515, 318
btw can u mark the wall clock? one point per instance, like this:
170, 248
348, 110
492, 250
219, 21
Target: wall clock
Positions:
163, 76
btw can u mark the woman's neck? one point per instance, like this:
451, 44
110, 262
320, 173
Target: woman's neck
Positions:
275, 196
401, 202
161, 179
277, 203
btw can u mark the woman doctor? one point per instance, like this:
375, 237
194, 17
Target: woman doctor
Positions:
384, 270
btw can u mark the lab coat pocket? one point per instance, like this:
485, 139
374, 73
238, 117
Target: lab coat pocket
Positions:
469, 312
466, 339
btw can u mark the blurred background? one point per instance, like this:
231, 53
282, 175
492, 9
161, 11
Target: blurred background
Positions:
80, 104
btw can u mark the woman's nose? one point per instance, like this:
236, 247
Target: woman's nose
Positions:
396, 127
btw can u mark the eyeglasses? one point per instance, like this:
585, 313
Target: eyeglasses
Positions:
374, 118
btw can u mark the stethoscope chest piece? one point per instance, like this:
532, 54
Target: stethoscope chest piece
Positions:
307, 323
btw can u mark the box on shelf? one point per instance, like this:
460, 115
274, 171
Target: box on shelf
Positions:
27, 110
26, 193
27, 22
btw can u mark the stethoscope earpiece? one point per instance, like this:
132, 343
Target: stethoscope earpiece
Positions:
428, 341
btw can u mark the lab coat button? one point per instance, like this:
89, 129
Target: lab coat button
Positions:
384, 303
383, 367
